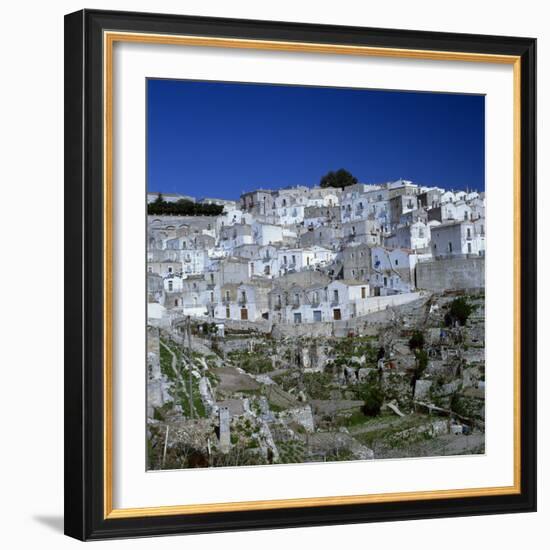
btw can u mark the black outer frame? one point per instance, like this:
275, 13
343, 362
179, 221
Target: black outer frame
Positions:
84, 275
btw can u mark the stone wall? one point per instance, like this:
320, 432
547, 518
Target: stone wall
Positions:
451, 274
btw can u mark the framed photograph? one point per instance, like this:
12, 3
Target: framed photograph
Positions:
300, 274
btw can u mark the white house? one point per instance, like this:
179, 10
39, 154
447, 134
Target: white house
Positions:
414, 236
392, 270
347, 299
265, 233
458, 238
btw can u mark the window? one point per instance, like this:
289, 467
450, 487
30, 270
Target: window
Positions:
279, 300
317, 316
335, 296
170, 270
316, 297
227, 295
465, 215
450, 247
307, 260
468, 233
363, 292
469, 248
396, 262
296, 299
243, 296
211, 277
227, 312
170, 285
284, 260
293, 259
297, 318
267, 270
385, 281
211, 296
252, 269
150, 269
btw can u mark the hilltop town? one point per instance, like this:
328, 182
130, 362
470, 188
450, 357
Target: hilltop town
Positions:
316, 324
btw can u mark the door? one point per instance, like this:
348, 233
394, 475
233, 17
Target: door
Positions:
244, 314
337, 314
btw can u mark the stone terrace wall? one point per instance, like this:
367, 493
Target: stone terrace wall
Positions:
451, 274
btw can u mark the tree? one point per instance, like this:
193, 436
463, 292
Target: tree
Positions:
459, 311
340, 179
374, 398
182, 207
416, 341
421, 364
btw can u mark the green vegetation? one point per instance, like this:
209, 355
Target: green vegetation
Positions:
416, 341
180, 392
182, 207
291, 452
393, 432
459, 311
421, 363
317, 385
166, 362
253, 362
360, 346
374, 398
341, 178
357, 418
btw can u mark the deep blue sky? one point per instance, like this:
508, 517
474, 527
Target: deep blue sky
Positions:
219, 139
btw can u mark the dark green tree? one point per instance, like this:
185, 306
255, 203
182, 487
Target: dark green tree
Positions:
341, 178
459, 311
182, 207
416, 342
373, 398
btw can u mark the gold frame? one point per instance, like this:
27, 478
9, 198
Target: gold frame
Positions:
109, 39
